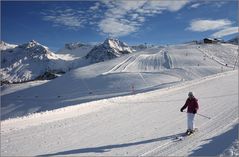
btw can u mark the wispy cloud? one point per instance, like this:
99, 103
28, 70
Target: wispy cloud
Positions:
219, 3
95, 6
222, 26
111, 17
116, 27
195, 5
199, 25
215, 3
125, 17
68, 18
225, 32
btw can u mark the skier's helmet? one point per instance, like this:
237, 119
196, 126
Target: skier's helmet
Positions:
190, 94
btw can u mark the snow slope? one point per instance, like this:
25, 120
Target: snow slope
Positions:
144, 124
224, 54
150, 69
186, 60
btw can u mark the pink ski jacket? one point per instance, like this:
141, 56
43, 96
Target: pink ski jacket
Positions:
192, 105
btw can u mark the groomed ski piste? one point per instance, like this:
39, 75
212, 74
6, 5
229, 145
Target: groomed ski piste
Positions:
129, 106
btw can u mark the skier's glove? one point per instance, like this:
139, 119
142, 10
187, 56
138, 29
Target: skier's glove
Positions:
194, 112
181, 110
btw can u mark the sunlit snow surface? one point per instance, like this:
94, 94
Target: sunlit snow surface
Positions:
127, 106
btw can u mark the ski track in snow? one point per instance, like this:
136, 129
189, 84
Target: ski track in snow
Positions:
143, 124
150, 69
214, 58
128, 62
137, 125
71, 111
121, 66
207, 131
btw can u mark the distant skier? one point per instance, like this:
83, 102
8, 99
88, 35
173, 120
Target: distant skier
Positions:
192, 105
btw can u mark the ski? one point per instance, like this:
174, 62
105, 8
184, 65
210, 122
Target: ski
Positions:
185, 135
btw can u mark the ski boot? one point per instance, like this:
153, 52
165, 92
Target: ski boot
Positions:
189, 132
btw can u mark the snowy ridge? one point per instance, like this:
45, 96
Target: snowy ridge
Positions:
31, 61
111, 48
4, 46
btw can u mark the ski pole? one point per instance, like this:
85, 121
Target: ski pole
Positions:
203, 116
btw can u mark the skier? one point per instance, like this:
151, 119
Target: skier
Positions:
192, 105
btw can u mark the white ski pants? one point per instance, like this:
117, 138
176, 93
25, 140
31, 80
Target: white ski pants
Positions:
191, 121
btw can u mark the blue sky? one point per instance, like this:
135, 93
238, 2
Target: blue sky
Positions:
53, 23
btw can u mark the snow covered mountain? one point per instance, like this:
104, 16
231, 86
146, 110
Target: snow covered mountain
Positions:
150, 69
4, 45
30, 61
76, 49
111, 48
